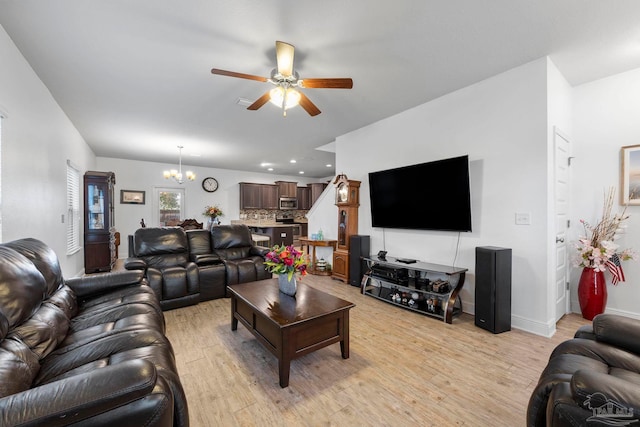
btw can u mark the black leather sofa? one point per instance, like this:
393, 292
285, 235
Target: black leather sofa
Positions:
185, 267
88, 351
592, 379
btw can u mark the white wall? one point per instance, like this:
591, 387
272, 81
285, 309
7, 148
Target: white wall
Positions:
559, 116
606, 119
501, 123
37, 140
145, 176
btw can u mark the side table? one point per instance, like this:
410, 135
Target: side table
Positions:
311, 246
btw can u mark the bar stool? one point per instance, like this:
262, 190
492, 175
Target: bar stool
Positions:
261, 240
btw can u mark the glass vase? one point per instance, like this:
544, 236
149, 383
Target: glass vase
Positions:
286, 286
592, 293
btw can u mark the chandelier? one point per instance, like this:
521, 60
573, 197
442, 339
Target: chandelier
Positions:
177, 174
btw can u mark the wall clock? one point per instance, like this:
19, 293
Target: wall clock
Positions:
209, 184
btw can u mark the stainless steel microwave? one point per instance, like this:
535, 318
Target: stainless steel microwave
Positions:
288, 203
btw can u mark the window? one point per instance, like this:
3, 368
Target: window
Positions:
73, 209
170, 205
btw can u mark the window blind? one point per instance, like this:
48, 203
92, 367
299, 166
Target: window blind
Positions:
73, 209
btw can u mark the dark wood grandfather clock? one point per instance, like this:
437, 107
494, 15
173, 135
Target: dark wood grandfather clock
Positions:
348, 202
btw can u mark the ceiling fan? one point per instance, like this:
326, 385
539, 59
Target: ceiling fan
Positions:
286, 80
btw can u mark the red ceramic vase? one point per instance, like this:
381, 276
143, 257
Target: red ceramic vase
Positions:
592, 293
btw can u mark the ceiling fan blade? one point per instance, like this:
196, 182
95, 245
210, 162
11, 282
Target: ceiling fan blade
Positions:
239, 75
327, 83
284, 58
309, 106
259, 102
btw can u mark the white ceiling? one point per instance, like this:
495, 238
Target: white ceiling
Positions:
134, 75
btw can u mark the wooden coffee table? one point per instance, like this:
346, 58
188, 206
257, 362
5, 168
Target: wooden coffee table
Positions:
290, 327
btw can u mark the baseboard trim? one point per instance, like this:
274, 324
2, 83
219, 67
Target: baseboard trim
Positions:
547, 329
622, 313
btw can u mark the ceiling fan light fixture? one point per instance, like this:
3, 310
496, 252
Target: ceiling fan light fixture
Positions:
277, 97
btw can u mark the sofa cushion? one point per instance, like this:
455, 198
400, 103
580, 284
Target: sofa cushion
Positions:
159, 240
18, 367
231, 236
22, 288
44, 259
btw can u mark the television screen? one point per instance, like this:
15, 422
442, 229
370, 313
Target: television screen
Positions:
426, 196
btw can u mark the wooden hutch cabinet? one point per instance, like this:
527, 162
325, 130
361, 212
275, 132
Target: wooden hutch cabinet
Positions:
99, 233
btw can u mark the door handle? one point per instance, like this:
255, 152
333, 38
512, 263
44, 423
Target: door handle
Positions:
559, 239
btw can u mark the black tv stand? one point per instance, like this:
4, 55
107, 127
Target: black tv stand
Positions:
425, 288
407, 260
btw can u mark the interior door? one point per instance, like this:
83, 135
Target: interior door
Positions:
561, 194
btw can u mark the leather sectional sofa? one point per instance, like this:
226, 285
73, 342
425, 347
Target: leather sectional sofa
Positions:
85, 351
592, 379
186, 267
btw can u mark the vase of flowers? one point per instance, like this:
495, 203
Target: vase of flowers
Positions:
287, 262
598, 253
213, 213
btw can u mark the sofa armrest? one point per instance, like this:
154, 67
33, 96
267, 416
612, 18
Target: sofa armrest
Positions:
95, 284
585, 386
205, 259
259, 250
618, 331
133, 263
79, 397
585, 332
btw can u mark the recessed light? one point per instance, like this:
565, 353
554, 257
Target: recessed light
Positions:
301, 172
292, 161
264, 164
329, 165
270, 169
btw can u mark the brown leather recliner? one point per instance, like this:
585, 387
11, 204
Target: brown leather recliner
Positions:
243, 260
592, 379
89, 351
163, 254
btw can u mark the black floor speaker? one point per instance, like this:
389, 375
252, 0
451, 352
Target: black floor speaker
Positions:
358, 249
493, 289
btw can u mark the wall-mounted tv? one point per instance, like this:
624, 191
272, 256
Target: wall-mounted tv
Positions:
425, 196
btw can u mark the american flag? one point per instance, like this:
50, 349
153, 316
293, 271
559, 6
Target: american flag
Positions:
615, 268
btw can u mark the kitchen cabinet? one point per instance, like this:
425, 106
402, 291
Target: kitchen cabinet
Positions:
287, 189
269, 195
316, 189
99, 233
304, 198
258, 196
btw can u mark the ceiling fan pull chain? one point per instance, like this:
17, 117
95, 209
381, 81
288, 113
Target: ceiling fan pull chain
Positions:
284, 101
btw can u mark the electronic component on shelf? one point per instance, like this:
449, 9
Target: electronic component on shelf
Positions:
392, 274
440, 286
406, 260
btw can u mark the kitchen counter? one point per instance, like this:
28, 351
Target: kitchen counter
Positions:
259, 223
278, 232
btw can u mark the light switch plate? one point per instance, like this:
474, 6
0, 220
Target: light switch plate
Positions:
523, 218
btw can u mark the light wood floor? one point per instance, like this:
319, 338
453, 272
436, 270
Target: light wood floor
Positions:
405, 369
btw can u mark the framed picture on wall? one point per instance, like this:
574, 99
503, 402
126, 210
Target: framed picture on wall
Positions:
132, 197
630, 179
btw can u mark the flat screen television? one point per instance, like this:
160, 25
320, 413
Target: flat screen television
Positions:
425, 196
